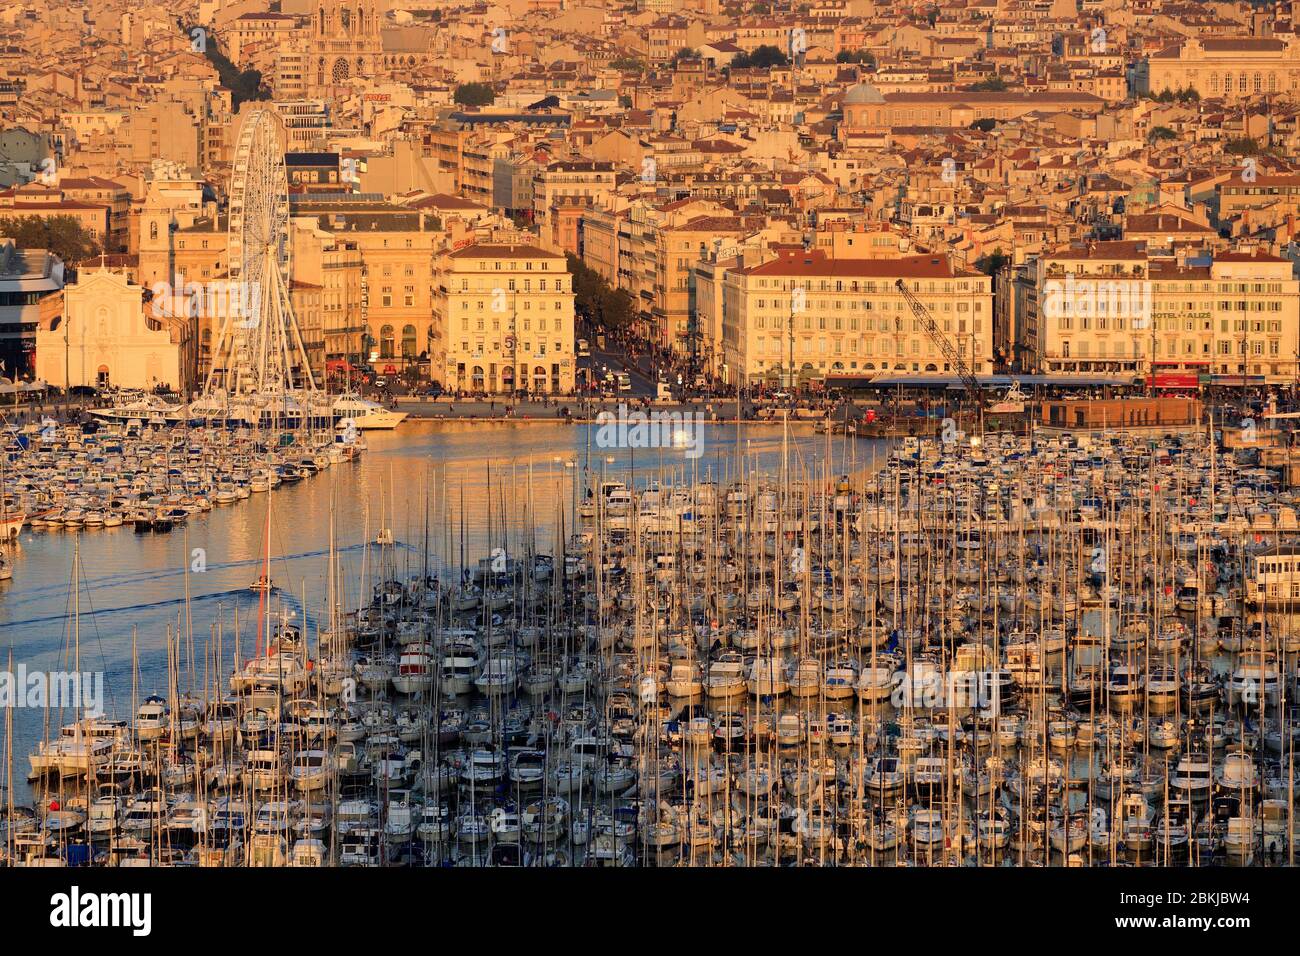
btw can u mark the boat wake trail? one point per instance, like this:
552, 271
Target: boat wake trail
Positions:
100, 612
113, 580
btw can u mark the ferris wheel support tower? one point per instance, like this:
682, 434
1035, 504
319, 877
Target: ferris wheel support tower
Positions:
258, 349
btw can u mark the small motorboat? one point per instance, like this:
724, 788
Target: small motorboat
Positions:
263, 583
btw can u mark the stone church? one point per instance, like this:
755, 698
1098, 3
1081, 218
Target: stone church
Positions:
351, 38
107, 334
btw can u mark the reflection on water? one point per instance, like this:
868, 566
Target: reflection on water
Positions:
135, 587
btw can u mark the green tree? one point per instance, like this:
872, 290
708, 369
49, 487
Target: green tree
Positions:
474, 94
1161, 133
856, 56
685, 53
243, 86
604, 307
994, 84
763, 58
62, 235
616, 309
990, 264
1243, 146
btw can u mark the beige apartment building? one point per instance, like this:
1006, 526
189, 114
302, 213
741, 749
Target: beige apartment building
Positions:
846, 316
48, 202
463, 160
866, 108
1266, 198
397, 247
397, 291
564, 185
1109, 309
508, 315
650, 251
97, 191
332, 266
678, 247
163, 129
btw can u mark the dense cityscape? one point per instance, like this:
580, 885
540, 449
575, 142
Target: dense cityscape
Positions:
550, 433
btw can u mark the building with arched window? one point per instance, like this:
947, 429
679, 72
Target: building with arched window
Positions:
867, 108
341, 41
107, 334
506, 314
1224, 68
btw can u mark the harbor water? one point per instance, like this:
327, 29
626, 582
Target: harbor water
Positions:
200, 573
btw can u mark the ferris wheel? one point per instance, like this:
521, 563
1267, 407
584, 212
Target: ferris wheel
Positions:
258, 348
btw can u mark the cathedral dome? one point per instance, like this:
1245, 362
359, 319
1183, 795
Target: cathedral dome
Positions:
862, 94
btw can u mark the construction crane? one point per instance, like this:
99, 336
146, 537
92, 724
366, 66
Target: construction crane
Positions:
950, 354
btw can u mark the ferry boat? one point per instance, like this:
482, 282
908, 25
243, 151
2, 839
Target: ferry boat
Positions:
364, 414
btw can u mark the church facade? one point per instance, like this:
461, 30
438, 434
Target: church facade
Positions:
107, 335
349, 39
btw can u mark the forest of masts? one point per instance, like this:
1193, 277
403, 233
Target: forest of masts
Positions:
974, 653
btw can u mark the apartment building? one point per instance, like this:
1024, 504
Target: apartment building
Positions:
507, 311
308, 123
1109, 308
678, 247
667, 35
568, 185
251, 29
97, 191
396, 293
332, 266
651, 250
163, 129
803, 316
1269, 198
867, 108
